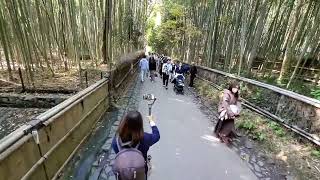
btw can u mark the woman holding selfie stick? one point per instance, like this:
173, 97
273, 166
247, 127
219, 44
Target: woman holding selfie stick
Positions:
131, 134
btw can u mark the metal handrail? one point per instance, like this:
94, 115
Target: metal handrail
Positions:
273, 117
299, 97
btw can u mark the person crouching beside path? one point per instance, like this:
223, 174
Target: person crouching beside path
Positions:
229, 109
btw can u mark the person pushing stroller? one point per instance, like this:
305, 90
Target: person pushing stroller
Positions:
178, 82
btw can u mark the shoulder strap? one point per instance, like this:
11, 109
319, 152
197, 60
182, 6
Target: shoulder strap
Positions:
118, 139
120, 144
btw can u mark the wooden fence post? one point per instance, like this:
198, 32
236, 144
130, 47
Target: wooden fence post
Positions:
86, 75
21, 79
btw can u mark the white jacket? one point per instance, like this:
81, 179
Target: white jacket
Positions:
166, 68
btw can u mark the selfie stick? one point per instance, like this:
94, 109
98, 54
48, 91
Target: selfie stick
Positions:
150, 105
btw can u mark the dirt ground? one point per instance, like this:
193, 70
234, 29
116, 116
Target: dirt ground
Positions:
62, 80
12, 118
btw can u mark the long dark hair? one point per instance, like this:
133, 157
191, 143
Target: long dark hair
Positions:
234, 84
152, 60
131, 127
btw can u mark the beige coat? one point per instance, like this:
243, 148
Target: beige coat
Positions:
227, 100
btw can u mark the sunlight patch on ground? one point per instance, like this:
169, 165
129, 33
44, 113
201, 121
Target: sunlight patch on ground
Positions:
215, 141
178, 153
179, 100
244, 177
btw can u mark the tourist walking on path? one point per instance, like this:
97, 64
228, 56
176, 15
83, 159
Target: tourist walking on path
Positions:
152, 67
170, 68
160, 65
229, 108
193, 73
179, 68
144, 67
165, 73
131, 134
157, 58
173, 70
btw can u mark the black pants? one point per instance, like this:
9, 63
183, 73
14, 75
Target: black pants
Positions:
191, 80
165, 79
160, 70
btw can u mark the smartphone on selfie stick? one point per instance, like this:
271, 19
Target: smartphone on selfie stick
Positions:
151, 100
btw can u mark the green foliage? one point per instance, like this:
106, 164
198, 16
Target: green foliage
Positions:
252, 130
150, 25
173, 29
174, 11
277, 129
280, 132
270, 79
260, 136
256, 95
316, 93
316, 153
300, 87
273, 125
247, 125
226, 20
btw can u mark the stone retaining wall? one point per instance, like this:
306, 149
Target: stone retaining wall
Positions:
30, 100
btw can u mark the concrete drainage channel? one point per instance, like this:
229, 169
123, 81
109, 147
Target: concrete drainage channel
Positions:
95, 156
29, 100
17, 109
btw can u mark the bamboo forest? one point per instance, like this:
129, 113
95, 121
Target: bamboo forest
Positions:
273, 41
276, 41
56, 35
160, 89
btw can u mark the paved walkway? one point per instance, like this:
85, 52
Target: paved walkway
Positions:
187, 150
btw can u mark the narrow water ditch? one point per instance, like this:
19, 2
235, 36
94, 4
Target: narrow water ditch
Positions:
93, 155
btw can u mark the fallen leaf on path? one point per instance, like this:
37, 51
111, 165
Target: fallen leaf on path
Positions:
281, 156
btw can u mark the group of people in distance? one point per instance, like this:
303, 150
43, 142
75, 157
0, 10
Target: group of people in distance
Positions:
166, 67
130, 132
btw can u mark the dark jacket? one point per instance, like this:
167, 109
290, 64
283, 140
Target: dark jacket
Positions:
152, 64
179, 69
145, 144
193, 70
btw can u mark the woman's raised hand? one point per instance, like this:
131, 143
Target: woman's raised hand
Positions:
151, 118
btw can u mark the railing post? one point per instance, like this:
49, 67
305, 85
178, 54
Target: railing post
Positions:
21, 79
86, 75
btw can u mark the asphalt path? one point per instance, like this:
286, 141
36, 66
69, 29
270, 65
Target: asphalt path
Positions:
187, 149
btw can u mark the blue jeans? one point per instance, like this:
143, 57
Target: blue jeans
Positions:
143, 73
